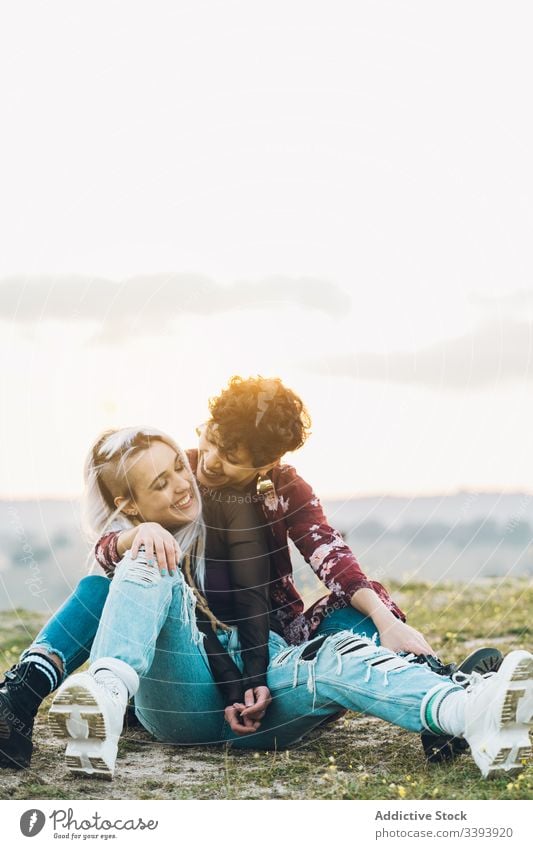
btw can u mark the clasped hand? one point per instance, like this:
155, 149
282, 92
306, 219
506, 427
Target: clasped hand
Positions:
246, 718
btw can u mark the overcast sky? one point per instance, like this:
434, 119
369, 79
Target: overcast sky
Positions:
340, 194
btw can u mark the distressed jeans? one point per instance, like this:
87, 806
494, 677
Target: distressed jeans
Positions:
148, 622
70, 632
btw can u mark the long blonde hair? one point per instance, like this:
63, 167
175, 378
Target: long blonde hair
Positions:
105, 479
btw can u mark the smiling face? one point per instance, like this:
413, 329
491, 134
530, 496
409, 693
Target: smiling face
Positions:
218, 469
161, 488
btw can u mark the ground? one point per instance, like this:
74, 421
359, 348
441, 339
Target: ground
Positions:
355, 757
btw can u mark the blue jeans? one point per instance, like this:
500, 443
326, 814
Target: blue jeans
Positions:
71, 631
148, 622
349, 619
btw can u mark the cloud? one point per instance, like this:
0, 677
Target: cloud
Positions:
139, 303
495, 352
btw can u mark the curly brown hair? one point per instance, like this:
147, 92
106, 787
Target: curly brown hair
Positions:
262, 415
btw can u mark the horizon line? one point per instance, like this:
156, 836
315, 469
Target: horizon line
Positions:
327, 497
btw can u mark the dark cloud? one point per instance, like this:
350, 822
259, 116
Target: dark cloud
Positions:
494, 353
149, 301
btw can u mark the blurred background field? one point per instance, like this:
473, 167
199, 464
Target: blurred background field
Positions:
455, 538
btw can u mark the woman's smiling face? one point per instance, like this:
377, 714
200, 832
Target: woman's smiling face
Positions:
218, 469
161, 487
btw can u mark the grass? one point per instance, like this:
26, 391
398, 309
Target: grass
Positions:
357, 757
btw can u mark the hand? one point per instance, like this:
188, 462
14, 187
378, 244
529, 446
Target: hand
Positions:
255, 704
245, 718
232, 715
398, 636
154, 537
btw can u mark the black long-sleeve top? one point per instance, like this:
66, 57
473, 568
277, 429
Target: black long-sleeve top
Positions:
237, 590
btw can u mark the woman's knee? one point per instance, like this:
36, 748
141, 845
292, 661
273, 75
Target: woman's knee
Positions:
92, 585
348, 619
138, 570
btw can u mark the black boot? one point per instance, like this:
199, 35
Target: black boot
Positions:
130, 719
24, 687
439, 748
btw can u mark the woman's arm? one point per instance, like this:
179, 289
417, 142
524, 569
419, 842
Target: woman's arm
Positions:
393, 633
249, 568
245, 551
335, 564
106, 554
158, 544
320, 544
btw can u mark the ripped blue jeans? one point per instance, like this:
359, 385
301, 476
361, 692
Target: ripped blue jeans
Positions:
148, 621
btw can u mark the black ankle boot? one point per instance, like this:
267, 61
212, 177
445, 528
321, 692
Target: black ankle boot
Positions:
439, 748
21, 692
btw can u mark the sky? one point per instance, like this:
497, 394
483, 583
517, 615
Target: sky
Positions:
339, 194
